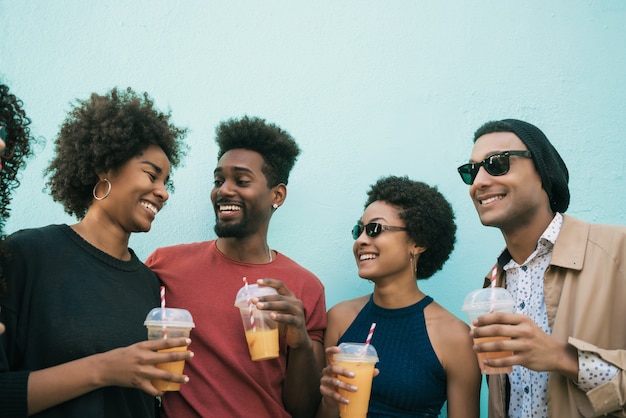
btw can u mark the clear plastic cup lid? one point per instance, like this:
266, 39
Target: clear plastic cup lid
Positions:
488, 297
254, 290
171, 317
357, 350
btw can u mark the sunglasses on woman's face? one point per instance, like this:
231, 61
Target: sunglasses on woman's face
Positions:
373, 229
496, 165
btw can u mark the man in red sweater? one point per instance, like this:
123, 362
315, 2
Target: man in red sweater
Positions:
250, 184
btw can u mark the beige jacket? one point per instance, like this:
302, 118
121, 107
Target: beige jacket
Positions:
585, 292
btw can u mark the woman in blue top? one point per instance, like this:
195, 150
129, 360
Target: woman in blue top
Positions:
407, 232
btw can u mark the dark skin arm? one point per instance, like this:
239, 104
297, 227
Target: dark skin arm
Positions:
132, 366
339, 318
301, 393
330, 384
305, 359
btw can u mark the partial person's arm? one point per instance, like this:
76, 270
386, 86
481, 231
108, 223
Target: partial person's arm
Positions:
305, 358
608, 395
531, 346
301, 393
339, 318
132, 366
538, 351
463, 376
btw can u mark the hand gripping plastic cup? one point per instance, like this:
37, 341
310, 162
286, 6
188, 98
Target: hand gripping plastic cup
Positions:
165, 323
359, 358
483, 301
261, 331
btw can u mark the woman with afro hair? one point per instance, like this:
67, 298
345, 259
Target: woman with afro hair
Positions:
15, 148
77, 295
406, 234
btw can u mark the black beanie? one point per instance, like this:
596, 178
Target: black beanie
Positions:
548, 162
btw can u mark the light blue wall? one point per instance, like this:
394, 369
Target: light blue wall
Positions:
368, 88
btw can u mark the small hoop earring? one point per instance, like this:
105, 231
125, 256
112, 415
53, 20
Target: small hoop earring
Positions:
413, 265
275, 206
106, 194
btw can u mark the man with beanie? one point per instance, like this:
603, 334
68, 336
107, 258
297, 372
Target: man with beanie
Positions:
568, 278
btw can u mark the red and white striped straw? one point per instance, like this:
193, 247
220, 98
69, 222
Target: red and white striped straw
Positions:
162, 297
250, 307
162, 291
369, 334
494, 276
368, 340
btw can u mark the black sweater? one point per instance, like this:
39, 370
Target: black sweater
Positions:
67, 300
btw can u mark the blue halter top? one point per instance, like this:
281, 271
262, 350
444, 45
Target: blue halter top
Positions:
412, 381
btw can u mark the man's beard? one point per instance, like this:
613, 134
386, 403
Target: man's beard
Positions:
238, 230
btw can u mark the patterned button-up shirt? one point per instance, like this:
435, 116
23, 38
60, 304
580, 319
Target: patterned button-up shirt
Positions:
525, 282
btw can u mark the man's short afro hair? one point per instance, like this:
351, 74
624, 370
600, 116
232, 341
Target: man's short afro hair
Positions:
277, 147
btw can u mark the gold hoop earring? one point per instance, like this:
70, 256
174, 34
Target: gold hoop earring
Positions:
96, 186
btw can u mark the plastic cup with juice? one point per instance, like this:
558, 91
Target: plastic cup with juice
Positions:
165, 323
359, 358
483, 301
261, 331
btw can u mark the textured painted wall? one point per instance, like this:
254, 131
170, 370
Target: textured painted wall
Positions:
367, 88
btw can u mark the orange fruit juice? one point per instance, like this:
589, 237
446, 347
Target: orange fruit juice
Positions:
262, 343
174, 367
489, 355
363, 375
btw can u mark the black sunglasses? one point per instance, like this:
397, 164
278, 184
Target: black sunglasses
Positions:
373, 229
496, 165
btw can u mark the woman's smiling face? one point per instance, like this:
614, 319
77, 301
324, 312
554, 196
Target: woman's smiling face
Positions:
387, 254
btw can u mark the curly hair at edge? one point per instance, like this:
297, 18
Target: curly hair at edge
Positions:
102, 133
427, 215
277, 147
18, 148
